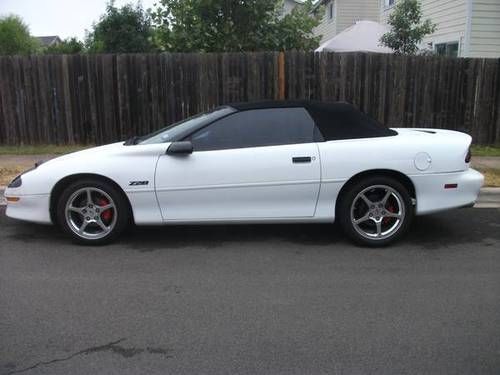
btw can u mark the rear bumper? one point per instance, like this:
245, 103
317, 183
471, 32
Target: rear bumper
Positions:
432, 196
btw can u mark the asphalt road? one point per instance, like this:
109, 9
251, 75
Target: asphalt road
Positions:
288, 299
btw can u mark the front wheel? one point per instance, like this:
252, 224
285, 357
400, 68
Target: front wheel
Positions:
376, 211
92, 212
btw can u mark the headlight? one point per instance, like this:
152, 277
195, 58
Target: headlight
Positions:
16, 182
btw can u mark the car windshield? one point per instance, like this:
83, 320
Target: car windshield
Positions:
180, 129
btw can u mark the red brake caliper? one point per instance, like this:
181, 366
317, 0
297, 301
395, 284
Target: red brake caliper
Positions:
107, 214
391, 209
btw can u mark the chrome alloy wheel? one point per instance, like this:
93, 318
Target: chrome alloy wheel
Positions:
377, 212
90, 213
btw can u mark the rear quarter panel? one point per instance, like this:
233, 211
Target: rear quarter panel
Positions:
342, 160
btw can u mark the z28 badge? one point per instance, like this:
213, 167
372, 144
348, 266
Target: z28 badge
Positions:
138, 183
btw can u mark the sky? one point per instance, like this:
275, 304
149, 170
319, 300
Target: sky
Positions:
65, 18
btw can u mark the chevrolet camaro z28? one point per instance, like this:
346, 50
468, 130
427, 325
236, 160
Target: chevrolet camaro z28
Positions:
268, 162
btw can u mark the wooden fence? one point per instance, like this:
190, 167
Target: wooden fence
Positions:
65, 99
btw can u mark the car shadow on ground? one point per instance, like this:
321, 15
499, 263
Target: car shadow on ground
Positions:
434, 231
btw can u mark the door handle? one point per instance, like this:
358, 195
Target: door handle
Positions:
301, 159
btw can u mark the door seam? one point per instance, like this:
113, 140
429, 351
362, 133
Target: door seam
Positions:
156, 190
320, 180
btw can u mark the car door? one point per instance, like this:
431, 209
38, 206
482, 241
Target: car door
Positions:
256, 164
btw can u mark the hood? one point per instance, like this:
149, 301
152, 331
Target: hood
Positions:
93, 152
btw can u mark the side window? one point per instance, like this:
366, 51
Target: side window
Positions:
255, 128
331, 11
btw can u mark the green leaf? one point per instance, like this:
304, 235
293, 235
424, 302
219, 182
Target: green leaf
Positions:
407, 28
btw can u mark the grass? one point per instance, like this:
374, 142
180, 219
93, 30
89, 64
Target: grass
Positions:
486, 150
40, 150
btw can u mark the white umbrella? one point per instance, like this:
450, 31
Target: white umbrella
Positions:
363, 36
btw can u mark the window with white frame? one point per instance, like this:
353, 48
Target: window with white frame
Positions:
389, 3
330, 11
449, 49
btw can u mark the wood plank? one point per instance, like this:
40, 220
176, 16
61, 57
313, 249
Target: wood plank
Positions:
104, 98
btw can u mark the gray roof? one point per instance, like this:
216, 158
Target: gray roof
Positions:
46, 41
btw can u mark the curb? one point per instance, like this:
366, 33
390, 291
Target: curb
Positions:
487, 191
487, 205
488, 198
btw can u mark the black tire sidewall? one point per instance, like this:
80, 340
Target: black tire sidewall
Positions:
121, 210
344, 210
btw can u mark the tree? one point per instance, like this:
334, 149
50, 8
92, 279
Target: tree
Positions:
121, 30
224, 26
67, 46
15, 38
295, 30
407, 28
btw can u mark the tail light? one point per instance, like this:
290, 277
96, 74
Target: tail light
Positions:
468, 156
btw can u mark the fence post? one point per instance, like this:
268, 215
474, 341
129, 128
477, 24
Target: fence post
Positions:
281, 76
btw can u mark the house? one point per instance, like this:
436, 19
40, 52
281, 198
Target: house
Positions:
288, 6
341, 14
47, 41
465, 28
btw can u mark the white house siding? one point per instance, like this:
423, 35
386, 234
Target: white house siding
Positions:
385, 11
484, 39
450, 17
350, 11
327, 28
347, 12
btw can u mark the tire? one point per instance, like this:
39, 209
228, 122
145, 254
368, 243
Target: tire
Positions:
375, 211
92, 212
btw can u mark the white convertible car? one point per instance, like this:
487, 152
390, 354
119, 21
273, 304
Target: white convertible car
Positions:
269, 162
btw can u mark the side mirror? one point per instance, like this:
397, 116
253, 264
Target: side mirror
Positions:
180, 148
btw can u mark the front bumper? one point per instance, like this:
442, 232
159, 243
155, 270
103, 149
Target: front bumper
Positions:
432, 196
34, 208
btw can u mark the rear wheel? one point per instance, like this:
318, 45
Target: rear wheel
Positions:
375, 211
92, 212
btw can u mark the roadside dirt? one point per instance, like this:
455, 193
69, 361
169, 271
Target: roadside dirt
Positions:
12, 165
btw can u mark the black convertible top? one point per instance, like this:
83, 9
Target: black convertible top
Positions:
335, 120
